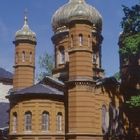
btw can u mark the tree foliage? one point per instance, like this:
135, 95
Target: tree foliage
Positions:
46, 65
131, 40
117, 76
134, 101
131, 20
131, 45
131, 30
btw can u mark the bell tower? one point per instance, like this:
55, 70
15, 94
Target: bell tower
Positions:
25, 42
79, 25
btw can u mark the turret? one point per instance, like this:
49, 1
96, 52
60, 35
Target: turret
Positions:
77, 27
25, 41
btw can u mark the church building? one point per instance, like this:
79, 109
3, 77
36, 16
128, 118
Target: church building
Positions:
72, 104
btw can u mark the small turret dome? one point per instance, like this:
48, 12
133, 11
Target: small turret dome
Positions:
25, 33
76, 10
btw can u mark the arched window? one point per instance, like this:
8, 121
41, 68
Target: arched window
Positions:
105, 119
16, 60
30, 57
94, 57
88, 40
114, 117
71, 40
28, 121
14, 129
80, 39
59, 121
23, 56
45, 121
62, 55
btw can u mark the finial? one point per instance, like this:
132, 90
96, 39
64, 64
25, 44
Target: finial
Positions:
25, 17
79, 1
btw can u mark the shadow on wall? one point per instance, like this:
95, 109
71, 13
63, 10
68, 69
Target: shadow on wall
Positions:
124, 122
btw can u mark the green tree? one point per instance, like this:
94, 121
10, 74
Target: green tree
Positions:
134, 102
131, 40
46, 64
131, 30
131, 44
131, 20
117, 76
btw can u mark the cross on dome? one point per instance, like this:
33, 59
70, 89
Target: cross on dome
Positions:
25, 17
25, 32
79, 1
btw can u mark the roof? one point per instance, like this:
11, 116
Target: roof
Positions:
4, 117
54, 80
5, 74
75, 10
107, 81
25, 33
39, 89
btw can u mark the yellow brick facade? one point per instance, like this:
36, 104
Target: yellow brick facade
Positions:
78, 65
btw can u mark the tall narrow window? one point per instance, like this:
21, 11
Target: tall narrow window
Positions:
80, 39
23, 56
14, 122
59, 121
62, 55
30, 57
94, 58
45, 121
16, 59
28, 121
71, 40
88, 40
105, 119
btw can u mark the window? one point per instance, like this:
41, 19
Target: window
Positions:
23, 56
62, 55
59, 121
14, 122
71, 40
114, 117
28, 121
80, 39
105, 119
30, 57
16, 57
88, 40
45, 121
94, 57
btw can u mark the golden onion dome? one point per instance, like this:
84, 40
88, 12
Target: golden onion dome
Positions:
25, 33
76, 10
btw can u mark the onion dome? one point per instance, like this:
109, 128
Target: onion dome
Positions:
76, 10
25, 33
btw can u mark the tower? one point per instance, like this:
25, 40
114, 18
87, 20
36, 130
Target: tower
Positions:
25, 41
78, 25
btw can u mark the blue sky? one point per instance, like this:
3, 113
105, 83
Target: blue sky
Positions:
39, 15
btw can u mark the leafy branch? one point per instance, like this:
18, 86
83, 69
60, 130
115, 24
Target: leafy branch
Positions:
131, 45
134, 101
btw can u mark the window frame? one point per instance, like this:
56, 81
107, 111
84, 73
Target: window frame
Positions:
81, 40
61, 55
31, 57
14, 123
45, 121
59, 122
28, 121
23, 56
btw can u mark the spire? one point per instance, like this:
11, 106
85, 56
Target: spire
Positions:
25, 32
79, 1
25, 20
25, 17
